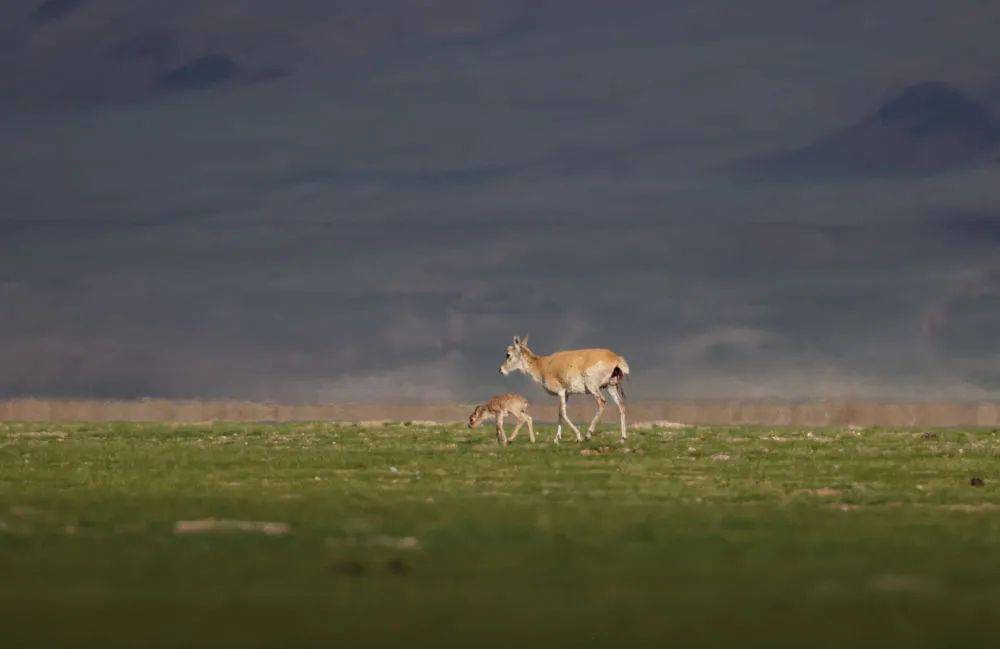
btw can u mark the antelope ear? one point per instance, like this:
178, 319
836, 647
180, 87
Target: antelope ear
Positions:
524, 341
517, 341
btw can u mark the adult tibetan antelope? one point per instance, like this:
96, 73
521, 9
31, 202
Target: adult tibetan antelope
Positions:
577, 371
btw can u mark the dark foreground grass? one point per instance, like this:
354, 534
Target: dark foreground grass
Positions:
419, 535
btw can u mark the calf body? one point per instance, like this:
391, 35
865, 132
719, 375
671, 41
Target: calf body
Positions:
499, 406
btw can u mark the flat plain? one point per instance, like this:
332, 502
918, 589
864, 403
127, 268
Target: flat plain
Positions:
323, 534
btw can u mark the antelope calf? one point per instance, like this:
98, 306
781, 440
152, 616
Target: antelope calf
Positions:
578, 371
500, 406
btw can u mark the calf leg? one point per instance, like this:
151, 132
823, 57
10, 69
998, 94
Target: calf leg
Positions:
501, 436
601, 401
520, 422
531, 431
617, 398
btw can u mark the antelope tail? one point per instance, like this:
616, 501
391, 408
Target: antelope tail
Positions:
618, 377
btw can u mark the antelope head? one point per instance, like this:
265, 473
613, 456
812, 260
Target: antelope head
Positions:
515, 359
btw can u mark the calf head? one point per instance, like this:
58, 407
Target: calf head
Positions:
477, 416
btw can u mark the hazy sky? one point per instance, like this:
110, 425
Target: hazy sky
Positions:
364, 200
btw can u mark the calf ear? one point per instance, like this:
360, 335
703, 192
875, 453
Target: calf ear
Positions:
517, 340
524, 340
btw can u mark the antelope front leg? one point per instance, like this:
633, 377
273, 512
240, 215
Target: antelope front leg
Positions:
565, 417
617, 398
531, 431
501, 436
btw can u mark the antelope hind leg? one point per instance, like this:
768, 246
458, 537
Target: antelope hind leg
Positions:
601, 401
617, 398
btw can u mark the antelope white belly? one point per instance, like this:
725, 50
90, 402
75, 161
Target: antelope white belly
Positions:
576, 383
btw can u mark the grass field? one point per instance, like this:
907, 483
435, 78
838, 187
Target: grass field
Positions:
431, 535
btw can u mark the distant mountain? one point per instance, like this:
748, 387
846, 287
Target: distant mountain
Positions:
200, 74
927, 128
54, 10
59, 53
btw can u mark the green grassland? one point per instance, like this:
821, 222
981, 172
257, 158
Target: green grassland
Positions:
418, 535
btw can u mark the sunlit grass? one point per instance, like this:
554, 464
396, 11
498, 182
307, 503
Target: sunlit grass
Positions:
432, 534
